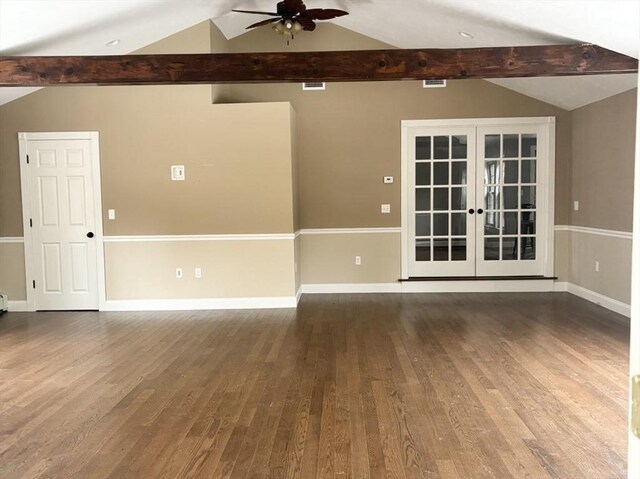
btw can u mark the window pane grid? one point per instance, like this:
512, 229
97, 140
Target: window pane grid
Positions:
510, 184
441, 197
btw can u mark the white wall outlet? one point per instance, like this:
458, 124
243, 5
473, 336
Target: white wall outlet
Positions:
385, 209
387, 180
179, 273
576, 205
198, 273
597, 266
358, 260
177, 173
112, 214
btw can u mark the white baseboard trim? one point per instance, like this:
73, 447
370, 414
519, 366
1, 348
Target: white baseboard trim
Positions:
18, 306
600, 299
199, 304
298, 294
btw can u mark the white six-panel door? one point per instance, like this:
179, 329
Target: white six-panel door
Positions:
62, 223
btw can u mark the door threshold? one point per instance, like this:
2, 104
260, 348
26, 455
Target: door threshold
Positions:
475, 278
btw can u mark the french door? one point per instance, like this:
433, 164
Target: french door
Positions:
477, 198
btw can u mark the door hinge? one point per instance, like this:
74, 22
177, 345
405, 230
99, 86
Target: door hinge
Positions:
27, 159
635, 405
34, 284
31, 222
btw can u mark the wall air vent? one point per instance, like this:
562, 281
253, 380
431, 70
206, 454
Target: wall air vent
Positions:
313, 85
434, 83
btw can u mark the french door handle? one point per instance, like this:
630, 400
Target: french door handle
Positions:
480, 211
90, 234
471, 211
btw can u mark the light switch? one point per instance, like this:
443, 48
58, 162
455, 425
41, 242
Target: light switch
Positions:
177, 173
112, 214
576, 205
387, 180
385, 209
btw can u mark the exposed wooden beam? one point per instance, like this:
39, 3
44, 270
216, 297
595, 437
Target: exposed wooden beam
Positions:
366, 65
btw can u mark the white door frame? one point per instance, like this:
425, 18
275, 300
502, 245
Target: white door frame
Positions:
633, 471
546, 173
23, 140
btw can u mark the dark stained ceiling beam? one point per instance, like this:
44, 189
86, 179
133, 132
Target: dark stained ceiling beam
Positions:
366, 65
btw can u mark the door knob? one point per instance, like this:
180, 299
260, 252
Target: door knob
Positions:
480, 211
471, 211
90, 234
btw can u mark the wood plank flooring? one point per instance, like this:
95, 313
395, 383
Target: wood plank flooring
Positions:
347, 386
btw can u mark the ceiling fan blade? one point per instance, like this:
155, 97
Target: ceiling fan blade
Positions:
324, 13
295, 7
263, 22
257, 13
306, 22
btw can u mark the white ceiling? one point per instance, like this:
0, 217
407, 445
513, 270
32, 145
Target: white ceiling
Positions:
83, 27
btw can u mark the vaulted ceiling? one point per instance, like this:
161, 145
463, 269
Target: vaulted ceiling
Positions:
75, 27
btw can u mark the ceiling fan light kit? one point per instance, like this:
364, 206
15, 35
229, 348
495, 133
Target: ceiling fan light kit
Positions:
292, 17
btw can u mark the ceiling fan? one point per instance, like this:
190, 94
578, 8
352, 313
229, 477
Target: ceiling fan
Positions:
292, 16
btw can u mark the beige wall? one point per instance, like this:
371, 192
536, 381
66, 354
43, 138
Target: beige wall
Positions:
12, 279
349, 134
330, 258
238, 161
602, 167
602, 181
230, 269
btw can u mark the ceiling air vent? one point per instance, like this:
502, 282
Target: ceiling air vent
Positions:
313, 85
434, 83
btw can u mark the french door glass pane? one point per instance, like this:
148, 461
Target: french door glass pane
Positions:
491, 249
492, 146
528, 171
510, 146
441, 198
441, 224
528, 223
441, 173
441, 147
459, 173
423, 249
492, 223
423, 224
529, 145
510, 223
423, 174
511, 171
528, 197
441, 249
458, 224
458, 249
459, 147
510, 197
509, 249
528, 248
423, 148
423, 199
459, 198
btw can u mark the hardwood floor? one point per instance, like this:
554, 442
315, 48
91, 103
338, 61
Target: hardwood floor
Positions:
402, 386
